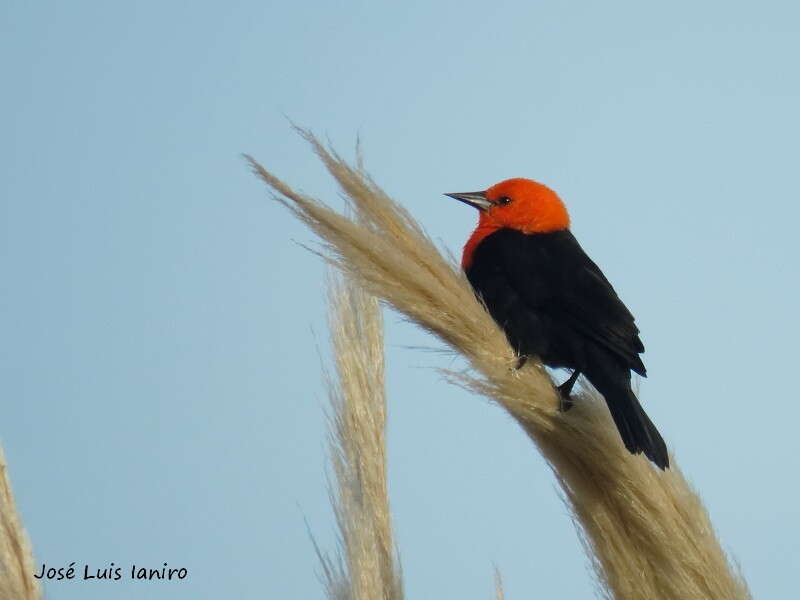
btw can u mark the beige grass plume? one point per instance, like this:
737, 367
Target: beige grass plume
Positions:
647, 532
366, 568
16, 560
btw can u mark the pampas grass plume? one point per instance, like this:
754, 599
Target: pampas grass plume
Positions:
647, 532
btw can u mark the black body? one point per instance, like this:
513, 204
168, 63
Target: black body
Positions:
553, 301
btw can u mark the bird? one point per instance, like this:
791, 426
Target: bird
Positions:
553, 301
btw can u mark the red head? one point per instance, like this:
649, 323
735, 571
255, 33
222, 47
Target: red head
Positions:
517, 203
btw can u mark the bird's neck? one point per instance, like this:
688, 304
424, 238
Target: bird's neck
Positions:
481, 231
487, 227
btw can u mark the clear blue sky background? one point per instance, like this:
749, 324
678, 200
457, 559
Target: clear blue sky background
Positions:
161, 331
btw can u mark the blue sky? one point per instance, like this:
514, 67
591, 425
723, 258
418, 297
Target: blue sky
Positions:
163, 332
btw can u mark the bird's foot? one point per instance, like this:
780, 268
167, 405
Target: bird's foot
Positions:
564, 391
565, 401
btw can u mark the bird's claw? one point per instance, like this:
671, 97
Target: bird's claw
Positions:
565, 401
564, 391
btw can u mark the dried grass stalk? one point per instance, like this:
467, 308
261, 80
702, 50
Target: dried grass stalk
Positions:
366, 568
646, 532
16, 559
499, 592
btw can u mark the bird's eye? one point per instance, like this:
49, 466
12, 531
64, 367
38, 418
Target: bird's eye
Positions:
503, 200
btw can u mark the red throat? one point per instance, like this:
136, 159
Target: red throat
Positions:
481, 231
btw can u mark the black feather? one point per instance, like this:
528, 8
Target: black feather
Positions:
553, 301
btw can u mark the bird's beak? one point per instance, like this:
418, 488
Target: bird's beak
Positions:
476, 199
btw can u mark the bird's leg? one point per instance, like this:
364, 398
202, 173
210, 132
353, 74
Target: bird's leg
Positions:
521, 362
565, 389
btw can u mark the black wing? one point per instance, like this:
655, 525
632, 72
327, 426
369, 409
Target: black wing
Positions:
552, 299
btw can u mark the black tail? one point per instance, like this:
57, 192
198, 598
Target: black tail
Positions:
636, 429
